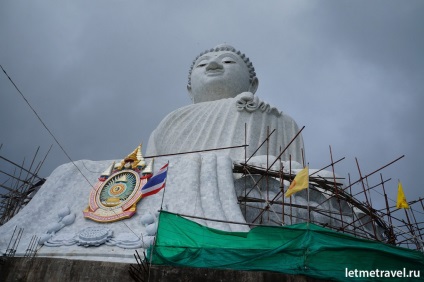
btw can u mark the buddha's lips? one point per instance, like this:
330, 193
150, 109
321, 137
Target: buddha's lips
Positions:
214, 72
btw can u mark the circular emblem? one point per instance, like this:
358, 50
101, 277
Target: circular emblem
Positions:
118, 189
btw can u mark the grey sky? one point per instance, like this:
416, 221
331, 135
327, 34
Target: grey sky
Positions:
102, 74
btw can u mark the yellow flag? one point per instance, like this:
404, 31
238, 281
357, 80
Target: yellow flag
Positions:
401, 202
300, 182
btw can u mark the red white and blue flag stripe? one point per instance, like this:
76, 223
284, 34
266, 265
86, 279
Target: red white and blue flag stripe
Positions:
156, 182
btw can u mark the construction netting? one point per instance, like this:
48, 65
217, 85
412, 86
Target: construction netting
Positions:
304, 248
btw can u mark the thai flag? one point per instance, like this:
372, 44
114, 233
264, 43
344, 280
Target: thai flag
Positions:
156, 183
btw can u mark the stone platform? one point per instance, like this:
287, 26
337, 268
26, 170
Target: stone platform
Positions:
52, 269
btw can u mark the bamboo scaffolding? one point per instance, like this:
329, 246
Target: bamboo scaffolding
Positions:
24, 182
364, 226
15, 164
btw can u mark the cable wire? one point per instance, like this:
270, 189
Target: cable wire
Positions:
45, 126
55, 139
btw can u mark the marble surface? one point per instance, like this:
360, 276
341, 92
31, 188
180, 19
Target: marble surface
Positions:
221, 123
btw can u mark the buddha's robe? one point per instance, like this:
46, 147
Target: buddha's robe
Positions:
221, 123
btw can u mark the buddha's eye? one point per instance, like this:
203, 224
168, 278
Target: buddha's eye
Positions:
202, 64
228, 60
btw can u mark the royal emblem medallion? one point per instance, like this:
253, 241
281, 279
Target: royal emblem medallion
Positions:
115, 195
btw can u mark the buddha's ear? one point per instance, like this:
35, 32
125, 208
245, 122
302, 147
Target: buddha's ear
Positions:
254, 85
190, 94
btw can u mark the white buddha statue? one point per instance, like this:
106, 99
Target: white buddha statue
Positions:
222, 83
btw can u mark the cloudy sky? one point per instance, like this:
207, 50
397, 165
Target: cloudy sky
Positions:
102, 75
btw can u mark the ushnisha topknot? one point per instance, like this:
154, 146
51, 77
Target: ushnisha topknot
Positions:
225, 47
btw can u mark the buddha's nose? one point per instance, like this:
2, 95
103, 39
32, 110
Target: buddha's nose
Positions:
214, 65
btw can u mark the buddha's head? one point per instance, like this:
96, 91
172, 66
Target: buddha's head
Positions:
219, 73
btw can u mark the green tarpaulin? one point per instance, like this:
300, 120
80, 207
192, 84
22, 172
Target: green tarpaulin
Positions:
304, 248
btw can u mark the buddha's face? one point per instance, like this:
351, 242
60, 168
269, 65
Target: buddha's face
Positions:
218, 75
